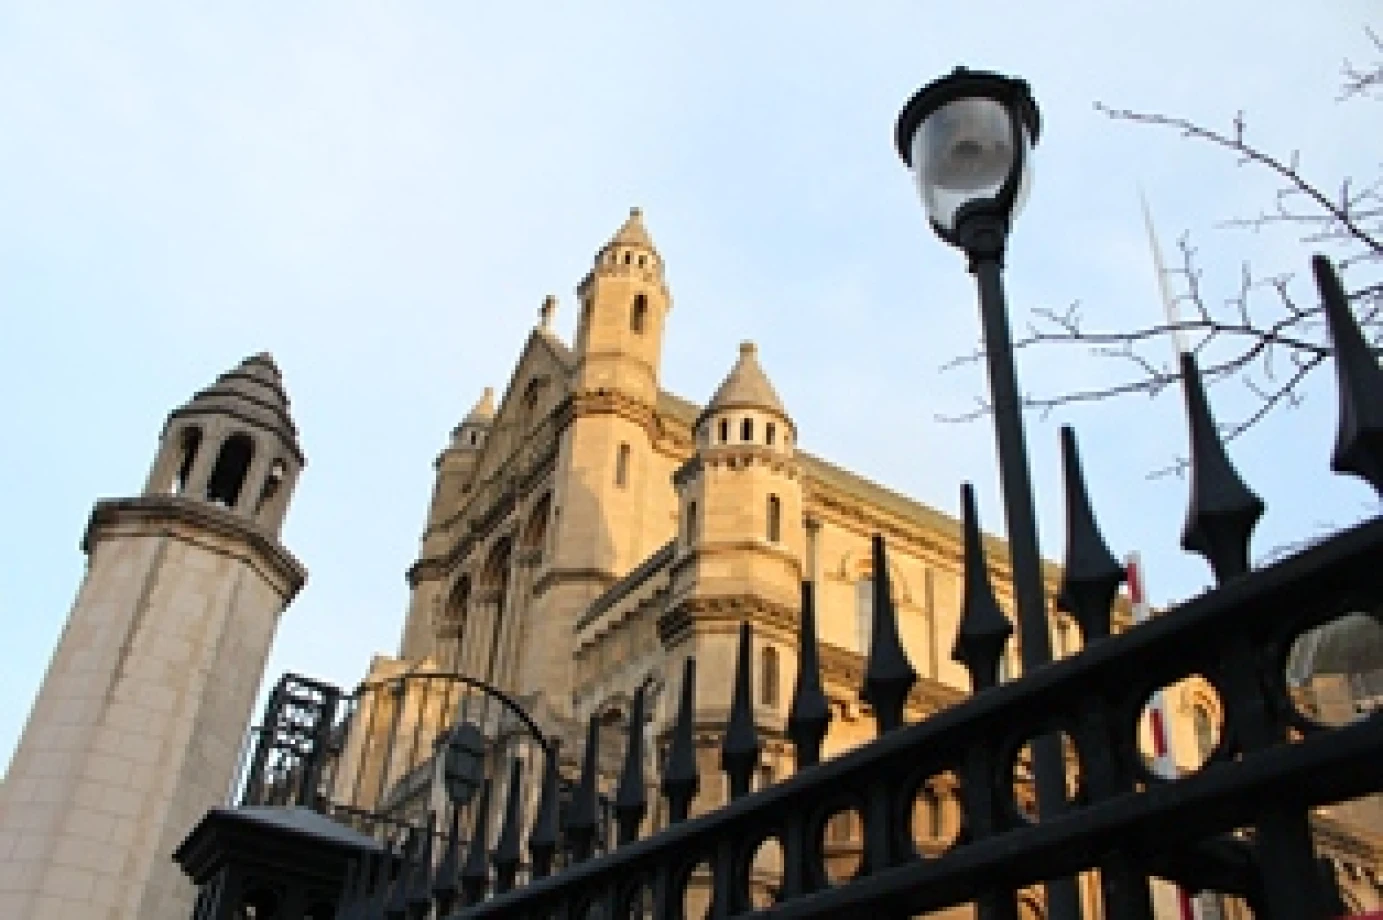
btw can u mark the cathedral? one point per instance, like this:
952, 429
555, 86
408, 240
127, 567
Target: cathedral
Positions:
588, 532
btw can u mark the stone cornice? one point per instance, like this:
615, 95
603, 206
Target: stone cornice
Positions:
843, 667
723, 614
558, 576
185, 518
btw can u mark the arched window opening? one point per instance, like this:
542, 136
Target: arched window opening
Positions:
768, 676
495, 579
930, 800
775, 519
864, 612
453, 625
1204, 728
638, 313
472, 439
724, 430
747, 430
642, 261
278, 471
535, 532
622, 466
190, 441
770, 434
627, 257
228, 475
691, 523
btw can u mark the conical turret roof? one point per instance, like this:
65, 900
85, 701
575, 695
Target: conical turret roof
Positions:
747, 387
252, 392
483, 413
633, 232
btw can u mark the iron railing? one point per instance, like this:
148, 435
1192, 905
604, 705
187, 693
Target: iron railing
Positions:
1239, 824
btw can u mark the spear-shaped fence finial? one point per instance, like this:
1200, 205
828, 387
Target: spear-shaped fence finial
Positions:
475, 874
542, 839
680, 779
584, 812
507, 856
888, 676
1359, 443
1091, 576
809, 716
1223, 510
445, 884
631, 798
739, 751
983, 627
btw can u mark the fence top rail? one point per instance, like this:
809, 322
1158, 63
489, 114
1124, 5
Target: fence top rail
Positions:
1265, 608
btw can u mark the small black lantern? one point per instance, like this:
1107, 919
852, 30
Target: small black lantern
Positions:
967, 138
463, 762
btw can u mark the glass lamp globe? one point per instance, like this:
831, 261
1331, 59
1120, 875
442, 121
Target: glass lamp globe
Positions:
968, 138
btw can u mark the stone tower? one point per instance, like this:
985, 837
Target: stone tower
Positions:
139, 723
611, 485
740, 549
455, 466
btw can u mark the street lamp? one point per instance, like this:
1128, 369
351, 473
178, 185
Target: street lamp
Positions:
463, 762
968, 138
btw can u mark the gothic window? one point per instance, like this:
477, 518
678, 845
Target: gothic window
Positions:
747, 430
724, 430
638, 313
770, 434
627, 257
775, 519
228, 475
691, 523
622, 466
768, 676
535, 531
864, 612
189, 442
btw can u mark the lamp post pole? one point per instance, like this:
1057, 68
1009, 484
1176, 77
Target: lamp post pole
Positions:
967, 137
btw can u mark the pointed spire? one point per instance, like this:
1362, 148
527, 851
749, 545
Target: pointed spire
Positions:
1091, 576
1359, 443
809, 716
888, 676
1223, 510
506, 855
252, 392
746, 387
483, 412
983, 627
475, 874
445, 886
631, 798
739, 751
542, 839
584, 812
633, 232
547, 311
680, 779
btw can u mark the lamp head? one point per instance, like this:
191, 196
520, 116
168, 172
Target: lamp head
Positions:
967, 138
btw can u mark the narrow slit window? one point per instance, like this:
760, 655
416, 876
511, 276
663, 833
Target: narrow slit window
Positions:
770, 434
775, 519
747, 430
191, 441
768, 676
724, 430
228, 475
622, 466
638, 313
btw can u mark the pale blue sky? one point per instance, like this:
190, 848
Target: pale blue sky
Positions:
381, 194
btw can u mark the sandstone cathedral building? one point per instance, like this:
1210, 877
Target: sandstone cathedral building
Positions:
589, 531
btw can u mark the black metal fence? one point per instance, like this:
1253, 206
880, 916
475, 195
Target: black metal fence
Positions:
1239, 824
